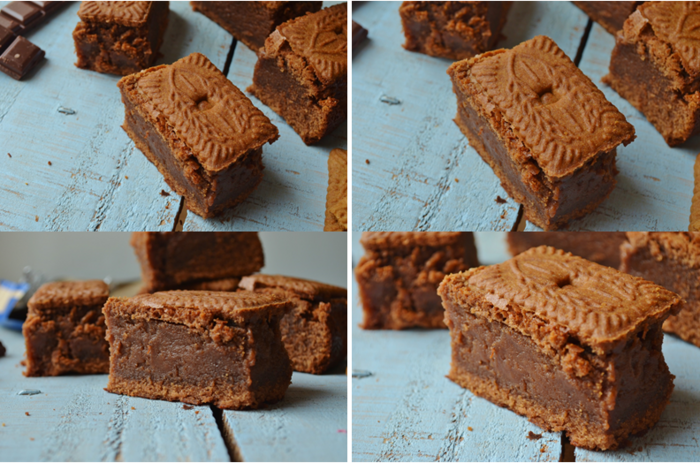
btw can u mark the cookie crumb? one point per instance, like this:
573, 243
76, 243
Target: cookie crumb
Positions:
36, 218
500, 200
469, 428
50, 163
26, 413
9, 154
532, 436
367, 161
164, 193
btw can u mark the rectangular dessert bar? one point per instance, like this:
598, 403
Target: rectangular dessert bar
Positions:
655, 67
453, 30
400, 272
610, 15
315, 331
199, 347
572, 345
188, 260
337, 194
119, 37
545, 129
252, 22
671, 260
200, 131
600, 247
303, 78
65, 329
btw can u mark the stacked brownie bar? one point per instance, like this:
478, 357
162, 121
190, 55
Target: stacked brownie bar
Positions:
572, 345
301, 72
545, 129
65, 329
193, 260
314, 332
600, 247
399, 274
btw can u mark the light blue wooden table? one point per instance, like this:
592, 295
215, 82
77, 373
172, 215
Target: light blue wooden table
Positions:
422, 173
405, 409
82, 172
74, 419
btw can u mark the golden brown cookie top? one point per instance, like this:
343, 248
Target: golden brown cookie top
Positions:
394, 240
60, 294
308, 289
676, 23
322, 39
552, 107
132, 14
337, 199
595, 304
207, 112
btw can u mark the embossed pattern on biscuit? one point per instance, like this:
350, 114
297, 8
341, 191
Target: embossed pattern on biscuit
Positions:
126, 13
557, 112
695, 202
322, 38
338, 188
592, 301
677, 23
213, 117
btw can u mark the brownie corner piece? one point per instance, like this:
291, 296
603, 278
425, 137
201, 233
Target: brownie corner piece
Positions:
200, 131
304, 79
546, 130
315, 331
587, 338
199, 347
65, 329
655, 66
337, 193
252, 22
671, 260
119, 37
399, 273
610, 15
453, 30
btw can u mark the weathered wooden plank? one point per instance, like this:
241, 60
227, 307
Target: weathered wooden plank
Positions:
292, 195
422, 175
97, 180
74, 419
655, 184
310, 424
407, 410
675, 436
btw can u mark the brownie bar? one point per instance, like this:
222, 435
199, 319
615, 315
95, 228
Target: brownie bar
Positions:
610, 15
655, 67
315, 331
337, 194
545, 129
671, 260
252, 22
65, 329
600, 247
200, 131
399, 274
189, 260
303, 78
119, 37
572, 345
695, 203
453, 30
199, 347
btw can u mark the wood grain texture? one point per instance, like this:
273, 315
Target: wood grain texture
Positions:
407, 410
310, 424
292, 195
422, 174
676, 436
655, 184
74, 419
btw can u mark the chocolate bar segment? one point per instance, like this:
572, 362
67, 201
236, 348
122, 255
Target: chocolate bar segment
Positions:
572, 345
20, 57
22, 17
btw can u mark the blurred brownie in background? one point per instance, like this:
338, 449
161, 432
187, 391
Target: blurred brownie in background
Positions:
192, 260
399, 274
453, 30
610, 15
252, 22
119, 37
314, 332
600, 247
65, 329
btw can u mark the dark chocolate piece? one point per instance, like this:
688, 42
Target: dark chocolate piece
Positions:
22, 17
6, 38
20, 57
359, 33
